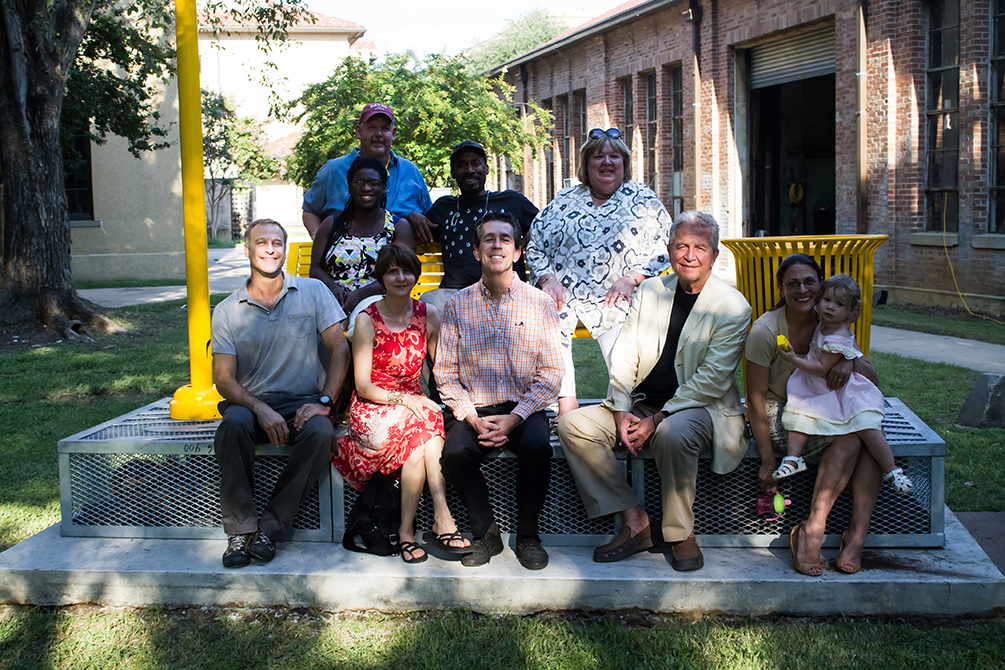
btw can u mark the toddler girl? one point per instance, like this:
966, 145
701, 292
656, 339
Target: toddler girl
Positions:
857, 407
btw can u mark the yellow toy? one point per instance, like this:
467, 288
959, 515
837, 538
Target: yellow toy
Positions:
783, 343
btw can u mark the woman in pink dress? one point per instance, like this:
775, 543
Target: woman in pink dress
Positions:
392, 423
854, 408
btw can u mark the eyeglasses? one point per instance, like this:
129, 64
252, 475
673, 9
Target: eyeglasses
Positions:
613, 133
372, 183
809, 282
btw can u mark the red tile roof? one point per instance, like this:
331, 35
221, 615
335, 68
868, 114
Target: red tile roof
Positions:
323, 21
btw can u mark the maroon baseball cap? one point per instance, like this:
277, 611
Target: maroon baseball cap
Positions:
373, 109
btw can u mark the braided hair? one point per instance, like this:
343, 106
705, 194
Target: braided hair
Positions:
340, 226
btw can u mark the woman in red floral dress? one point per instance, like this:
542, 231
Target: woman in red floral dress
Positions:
392, 423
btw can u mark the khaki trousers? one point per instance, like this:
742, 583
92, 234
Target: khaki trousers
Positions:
589, 438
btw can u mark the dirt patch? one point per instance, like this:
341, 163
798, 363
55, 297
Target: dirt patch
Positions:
28, 336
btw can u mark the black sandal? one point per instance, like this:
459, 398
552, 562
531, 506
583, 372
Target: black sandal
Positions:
444, 540
411, 548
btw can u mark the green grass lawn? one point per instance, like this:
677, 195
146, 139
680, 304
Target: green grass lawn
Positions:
940, 321
50, 392
283, 638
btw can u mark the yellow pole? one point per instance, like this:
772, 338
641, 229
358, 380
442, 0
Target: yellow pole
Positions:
197, 400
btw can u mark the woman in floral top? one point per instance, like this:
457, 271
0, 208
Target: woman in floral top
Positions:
593, 244
345, 248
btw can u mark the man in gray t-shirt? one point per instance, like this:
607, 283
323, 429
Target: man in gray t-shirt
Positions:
266, 367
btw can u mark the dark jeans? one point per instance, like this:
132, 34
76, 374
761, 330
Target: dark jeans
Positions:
462, 458
310, 454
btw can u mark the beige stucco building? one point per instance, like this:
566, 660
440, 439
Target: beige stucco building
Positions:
129, 222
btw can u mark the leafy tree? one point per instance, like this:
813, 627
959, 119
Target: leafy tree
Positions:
233, 150
437, 103
520, 36
105, 60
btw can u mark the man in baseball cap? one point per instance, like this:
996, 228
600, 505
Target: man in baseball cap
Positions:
407, 194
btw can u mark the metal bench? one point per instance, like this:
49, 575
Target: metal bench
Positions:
144, 474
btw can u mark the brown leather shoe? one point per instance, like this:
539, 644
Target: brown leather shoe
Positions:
624, 545
686, 555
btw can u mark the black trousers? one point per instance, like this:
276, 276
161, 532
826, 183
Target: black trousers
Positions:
462, 458
235, 440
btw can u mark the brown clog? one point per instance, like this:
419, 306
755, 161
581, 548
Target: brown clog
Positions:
620, 549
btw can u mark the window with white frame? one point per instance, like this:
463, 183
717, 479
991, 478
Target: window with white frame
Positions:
78, 183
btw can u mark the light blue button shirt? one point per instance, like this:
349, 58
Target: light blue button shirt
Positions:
406, 189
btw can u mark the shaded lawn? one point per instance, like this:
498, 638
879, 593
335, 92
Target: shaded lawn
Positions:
51, 392
87, 637
940, 321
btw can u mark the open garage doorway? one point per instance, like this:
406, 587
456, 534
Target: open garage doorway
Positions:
792, 136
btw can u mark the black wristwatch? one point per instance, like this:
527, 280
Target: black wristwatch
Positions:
327, 401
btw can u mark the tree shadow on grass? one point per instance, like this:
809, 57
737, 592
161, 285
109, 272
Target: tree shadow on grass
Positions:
27, 637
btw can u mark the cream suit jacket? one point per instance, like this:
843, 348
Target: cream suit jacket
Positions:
709, 350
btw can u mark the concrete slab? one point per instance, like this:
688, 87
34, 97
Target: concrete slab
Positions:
51, 570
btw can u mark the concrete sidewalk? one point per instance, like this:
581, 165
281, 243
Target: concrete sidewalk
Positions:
980, 356
228, 270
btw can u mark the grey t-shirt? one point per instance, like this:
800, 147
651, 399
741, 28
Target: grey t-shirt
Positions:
277, 349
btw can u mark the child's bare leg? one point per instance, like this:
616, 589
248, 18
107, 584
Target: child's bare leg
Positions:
875, 442
796, 443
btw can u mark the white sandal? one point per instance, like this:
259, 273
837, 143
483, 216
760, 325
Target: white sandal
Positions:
790, 465
899, 482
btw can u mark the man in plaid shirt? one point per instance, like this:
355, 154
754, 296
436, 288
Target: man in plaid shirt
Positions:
498, 365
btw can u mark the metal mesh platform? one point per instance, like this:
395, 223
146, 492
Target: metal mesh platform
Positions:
563, 520
146, 475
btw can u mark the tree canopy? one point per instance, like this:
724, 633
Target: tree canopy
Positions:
106, 60
437, 102
520, 36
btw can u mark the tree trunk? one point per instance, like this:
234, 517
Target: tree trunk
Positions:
37, 43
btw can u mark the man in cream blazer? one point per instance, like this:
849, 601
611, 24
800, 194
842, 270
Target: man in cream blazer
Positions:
673, 389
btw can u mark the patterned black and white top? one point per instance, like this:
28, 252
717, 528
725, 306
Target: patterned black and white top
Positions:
588, 248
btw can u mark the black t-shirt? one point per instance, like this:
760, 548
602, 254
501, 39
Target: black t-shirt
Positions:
455, 217
661, 384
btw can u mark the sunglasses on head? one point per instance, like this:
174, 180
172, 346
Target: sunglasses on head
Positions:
613, 133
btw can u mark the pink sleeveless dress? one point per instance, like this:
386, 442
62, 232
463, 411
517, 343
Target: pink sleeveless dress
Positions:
813, 409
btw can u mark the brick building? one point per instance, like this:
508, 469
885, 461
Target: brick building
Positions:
788, 117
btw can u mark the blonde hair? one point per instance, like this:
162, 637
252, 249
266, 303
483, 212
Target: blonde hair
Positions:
592, 146
847, 289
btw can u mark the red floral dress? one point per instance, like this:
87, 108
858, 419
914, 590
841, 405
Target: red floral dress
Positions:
382, 437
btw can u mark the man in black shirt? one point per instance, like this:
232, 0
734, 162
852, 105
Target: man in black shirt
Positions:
673, 389
455, 217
